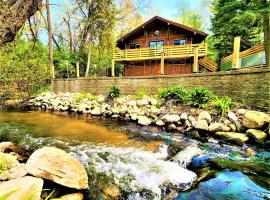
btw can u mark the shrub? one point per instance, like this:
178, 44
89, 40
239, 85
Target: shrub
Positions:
82, 96
177, 93
114, 92
141, 93
222, 105
199, 97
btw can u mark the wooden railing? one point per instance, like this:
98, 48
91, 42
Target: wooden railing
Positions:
180, 51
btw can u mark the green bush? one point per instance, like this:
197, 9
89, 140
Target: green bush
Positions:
199, 97
177, 93
222, 105
114, 92
82, 96
141, 93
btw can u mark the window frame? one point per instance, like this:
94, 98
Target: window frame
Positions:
156, 41
180, 40
139, 44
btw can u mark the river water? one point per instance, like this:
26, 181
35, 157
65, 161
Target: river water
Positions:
133, 158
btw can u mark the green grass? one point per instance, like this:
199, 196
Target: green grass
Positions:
82, 96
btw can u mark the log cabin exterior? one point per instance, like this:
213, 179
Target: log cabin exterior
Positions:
158, 47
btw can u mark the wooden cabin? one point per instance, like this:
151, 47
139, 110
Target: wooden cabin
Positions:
160, 46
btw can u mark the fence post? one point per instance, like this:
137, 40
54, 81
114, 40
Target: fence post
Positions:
196, 58
236, 53
78, 69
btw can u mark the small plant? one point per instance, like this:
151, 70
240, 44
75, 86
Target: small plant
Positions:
7, 161
199, 97
222, 105
82, 96
177, 93
114, 92
141, 93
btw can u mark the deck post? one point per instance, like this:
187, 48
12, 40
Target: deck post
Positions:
162, 64
195, 63
78, 69
236, 53
113, 62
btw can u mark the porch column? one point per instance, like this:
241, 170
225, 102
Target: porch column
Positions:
236, 53
78, 69
162, 64
113, 62
195, 63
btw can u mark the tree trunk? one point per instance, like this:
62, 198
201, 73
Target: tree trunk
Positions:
69, 33
50, 37
88, 61
266, 30
13, 15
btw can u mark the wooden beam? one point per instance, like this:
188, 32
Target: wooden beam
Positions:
113, 72
236, 53
196, 58
78, 69
162, 64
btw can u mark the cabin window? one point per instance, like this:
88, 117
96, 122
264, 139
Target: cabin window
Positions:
177, 62
154, 44
180, 42
135, 46
136, 64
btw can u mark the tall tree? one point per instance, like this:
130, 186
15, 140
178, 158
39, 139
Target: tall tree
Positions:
50, 35
13, 15
233, 18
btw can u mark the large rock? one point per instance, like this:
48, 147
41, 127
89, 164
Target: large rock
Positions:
232, 136
176, 147
171, 118
255, 120
258, 135
21, 188
204, 115
143, 120
217, 127
201, 125
58, 166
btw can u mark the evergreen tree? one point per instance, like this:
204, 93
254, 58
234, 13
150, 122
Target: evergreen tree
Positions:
233, 18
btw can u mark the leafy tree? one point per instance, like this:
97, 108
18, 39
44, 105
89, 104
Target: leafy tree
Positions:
233, 18
23, 69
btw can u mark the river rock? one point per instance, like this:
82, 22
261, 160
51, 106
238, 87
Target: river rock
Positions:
258, 135
82, 107
216, 127
22, 188
237, 137
204, 115
171, 118
74, 196
184, 116
232, 116
241, 111
58, 166
8, 146
255, 120
143, 120
201, 125
96, 111
160, 123
176, 147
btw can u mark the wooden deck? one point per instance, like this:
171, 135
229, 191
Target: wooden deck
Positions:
165, 52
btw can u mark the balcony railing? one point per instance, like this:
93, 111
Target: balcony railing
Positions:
179, 51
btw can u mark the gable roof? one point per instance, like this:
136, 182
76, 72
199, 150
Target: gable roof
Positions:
178, 25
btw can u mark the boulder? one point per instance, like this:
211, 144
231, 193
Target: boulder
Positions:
201, 125
204, 115
241, 111
143, 120
232, 116
171, 118
74, 196
21, 188
258, 135
96, 111
160, 123
255, 120
8, 146
216, 127
233, 127
184, 116
58, 166
176, 147
82, 107
233, 136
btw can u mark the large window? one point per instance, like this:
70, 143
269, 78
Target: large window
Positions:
135, 46
154, 44
180, 42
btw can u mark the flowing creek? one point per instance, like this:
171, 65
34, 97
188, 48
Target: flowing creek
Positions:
134, 157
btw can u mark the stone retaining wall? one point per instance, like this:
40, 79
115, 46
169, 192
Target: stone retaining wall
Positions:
248, 87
